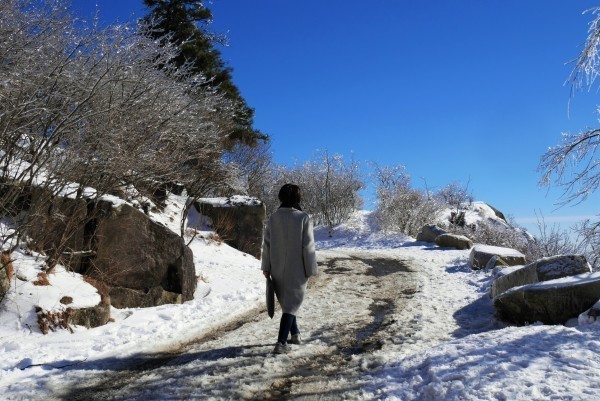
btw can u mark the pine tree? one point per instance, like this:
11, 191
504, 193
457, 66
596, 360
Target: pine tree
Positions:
187, 23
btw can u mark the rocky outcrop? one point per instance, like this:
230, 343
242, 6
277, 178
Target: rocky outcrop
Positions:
481, 254
121, 297
133, 252
549, 302
453, 241
239, 221
429, 233
119, 246
544, 269
497, 212
60, 224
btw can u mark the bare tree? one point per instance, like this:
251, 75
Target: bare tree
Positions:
330, 187
85, 110
574, 164
401, 207
255, 164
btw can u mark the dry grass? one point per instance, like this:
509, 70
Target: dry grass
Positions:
215, 238
6, 263
224, 224
42, 279
51, 321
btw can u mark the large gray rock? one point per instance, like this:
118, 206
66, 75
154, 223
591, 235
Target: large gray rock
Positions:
541, 270
121, 297
126, 250
453, 241
239, 221
57, 223
481, 254
549, 302
429, 233
497, 212
134, 252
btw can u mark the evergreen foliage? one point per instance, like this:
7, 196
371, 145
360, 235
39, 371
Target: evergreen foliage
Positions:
185, 24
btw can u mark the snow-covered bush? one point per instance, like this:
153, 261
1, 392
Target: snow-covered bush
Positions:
399, 206
329, 186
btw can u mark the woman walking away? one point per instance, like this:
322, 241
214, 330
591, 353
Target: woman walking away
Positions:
288, 256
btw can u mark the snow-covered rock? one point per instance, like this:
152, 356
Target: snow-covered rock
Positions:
495, 261
541, 270
429, 233
453, 241
549, 302
481, 254
478, 212
239, 220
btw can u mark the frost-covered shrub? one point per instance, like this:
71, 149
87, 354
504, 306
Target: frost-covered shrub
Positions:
329, 186
407, 211
101, 107
400, 207
490, 232
456, 196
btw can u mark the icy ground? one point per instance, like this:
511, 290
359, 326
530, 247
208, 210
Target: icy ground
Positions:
405, 320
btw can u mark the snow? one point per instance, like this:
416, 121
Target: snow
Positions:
474, 213
455, 349
235, 200
497, 250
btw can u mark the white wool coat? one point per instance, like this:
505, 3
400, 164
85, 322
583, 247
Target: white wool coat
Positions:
288, 253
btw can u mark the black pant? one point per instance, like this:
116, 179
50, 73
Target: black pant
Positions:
288, 324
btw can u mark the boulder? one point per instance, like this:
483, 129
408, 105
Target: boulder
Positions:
238, 220
94, 316
121, 297
481, 254
57, 222
496, 261
590, 316
133, 252
429, 233
549, 302
544, 269
497, 212
453, 241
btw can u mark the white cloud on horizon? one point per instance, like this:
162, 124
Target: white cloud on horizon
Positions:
554, 219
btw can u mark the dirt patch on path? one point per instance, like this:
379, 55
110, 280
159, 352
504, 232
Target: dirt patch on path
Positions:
349, 314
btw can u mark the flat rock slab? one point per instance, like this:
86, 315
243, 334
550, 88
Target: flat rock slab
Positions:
481, 254
549, 302
544, 269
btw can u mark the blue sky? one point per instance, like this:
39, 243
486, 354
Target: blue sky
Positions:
469, 91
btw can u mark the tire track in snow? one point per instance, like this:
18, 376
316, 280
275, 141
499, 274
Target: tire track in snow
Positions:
349, 313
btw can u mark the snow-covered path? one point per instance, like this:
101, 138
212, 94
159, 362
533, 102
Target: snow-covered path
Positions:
387, 319
349, 313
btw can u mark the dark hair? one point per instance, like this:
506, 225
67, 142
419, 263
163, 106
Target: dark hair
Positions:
289, 195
